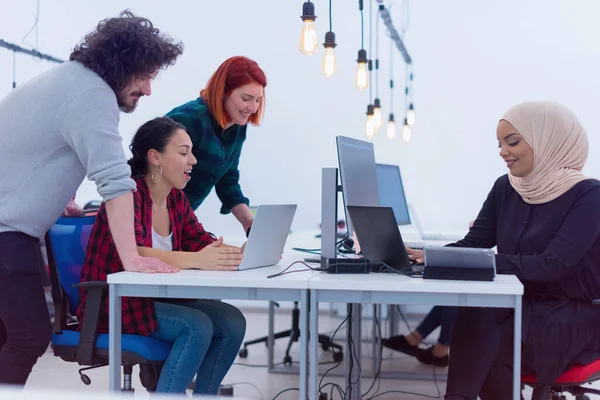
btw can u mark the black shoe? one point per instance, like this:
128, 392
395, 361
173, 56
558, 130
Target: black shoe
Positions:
399, 343
427, 357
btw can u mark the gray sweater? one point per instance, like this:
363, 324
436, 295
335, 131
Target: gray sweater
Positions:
54, 130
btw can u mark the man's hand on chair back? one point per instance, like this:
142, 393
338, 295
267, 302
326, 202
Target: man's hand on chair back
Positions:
72, 209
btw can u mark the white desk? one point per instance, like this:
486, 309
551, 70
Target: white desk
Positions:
194, 284
505, 292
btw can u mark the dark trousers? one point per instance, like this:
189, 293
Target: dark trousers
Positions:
482, 355
25, 328
442, 316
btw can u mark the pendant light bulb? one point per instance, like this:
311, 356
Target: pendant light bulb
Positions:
410, 115
377, 118
370, 126
362, 78
329, 64
391, 127
406, 133
308, 37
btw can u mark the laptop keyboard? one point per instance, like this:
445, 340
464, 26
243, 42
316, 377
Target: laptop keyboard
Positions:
416, 246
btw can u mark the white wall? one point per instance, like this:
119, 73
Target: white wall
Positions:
472, 60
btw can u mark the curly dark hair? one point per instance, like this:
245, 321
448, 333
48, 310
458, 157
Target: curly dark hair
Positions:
124, 47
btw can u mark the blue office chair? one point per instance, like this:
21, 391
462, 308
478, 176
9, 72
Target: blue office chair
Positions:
66, 243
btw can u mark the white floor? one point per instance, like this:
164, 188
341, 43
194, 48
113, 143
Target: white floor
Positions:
254, 382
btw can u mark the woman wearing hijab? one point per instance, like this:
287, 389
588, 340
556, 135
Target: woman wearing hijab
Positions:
544, 218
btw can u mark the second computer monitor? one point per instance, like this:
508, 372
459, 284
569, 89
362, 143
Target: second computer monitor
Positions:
391, 192
358, 174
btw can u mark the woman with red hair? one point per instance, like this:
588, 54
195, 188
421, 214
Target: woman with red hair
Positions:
217, 122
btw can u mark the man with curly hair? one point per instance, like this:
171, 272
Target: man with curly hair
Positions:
55, 130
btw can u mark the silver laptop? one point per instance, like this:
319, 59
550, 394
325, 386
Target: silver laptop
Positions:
268, 235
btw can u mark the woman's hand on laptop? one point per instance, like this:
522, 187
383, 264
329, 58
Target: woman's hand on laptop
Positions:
415, 255
241, 249
219, 257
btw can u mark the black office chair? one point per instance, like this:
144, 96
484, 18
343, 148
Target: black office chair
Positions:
294, 335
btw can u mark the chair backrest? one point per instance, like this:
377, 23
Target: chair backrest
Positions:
68, 243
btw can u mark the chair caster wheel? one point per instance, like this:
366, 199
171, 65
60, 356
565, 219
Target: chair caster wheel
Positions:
338, 357
287, 361
86, 379
243, 353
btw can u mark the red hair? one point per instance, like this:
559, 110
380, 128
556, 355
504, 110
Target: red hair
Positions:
234, 72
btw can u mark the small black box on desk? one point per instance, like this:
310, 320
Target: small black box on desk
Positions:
347, 266
459, 263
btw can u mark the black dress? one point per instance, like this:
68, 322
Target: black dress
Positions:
554, 249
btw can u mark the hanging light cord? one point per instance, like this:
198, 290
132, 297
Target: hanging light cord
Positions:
330, 25
371, 50
377, 58
391, 76
370, 26
406, 79
35, 26
362, 25
14, 82
411, 83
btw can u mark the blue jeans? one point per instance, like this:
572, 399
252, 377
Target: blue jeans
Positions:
206, 337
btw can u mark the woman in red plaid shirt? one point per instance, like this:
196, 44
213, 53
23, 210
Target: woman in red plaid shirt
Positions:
206, 334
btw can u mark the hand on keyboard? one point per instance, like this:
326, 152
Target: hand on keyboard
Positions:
415, 255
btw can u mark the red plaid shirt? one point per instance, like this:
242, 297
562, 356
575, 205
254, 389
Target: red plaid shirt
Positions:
101, 258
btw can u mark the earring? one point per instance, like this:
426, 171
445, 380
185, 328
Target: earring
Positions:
153, 171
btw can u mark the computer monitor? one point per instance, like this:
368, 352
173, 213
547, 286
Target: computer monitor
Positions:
358, 174
391, 192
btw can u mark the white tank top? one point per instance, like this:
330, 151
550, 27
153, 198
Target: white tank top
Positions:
162, 242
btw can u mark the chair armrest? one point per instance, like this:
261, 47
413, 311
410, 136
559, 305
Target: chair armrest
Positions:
596, 301
58, 298
88, 327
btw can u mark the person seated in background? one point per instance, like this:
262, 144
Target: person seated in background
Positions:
544, 218
439, 316
206, 334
